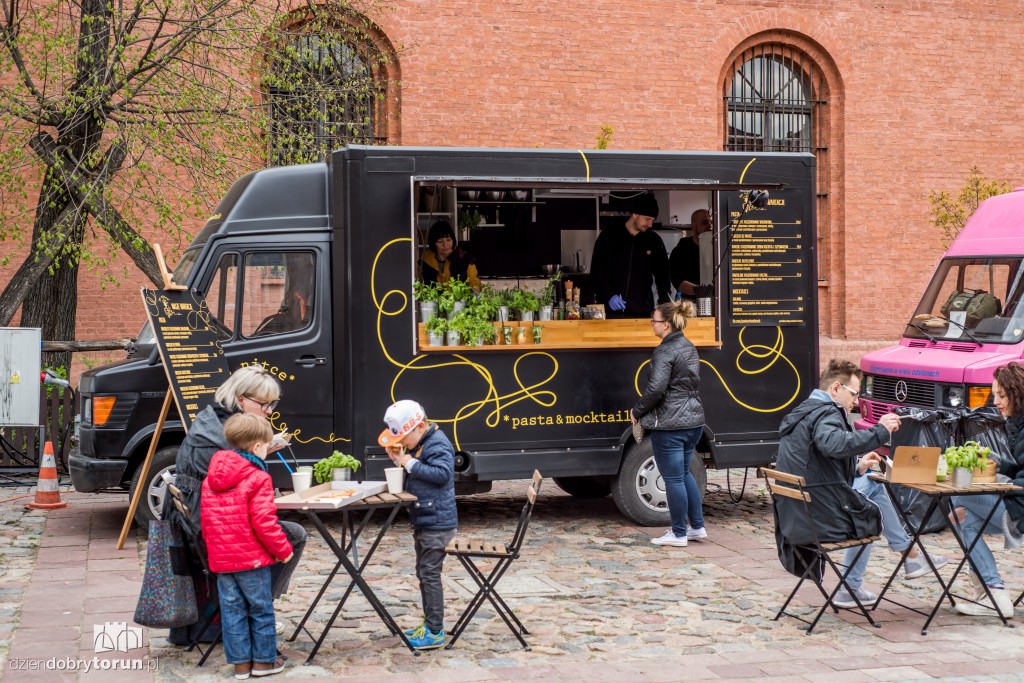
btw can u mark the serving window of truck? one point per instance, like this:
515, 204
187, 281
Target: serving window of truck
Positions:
524, 250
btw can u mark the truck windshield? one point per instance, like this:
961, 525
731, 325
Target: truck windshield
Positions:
974, 299
182, 273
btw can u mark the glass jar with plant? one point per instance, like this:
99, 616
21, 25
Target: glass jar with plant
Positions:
345, 465
455, 294
525, 304
426, 293
436, 329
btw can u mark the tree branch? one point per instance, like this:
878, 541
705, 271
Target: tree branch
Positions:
92, 197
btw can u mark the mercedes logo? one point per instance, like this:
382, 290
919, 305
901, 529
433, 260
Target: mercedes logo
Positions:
901, 391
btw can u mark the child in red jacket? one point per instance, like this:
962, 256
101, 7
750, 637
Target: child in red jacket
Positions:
243, 539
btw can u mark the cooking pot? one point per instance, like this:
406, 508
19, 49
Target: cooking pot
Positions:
493, 195
550, 269
471, 195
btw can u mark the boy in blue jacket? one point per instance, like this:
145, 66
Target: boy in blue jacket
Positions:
426, 454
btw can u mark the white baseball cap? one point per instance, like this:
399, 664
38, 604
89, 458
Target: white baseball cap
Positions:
401, 418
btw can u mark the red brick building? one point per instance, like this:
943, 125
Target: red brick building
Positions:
896, 99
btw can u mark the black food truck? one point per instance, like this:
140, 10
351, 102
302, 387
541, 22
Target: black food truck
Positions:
309, 272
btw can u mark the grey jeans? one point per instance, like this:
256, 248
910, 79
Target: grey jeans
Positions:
429, 544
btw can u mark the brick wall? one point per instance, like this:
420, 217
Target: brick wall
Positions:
920, 92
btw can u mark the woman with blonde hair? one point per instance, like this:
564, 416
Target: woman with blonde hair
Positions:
671, 411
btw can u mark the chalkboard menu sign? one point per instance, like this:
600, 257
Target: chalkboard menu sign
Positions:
769, 263
189, 346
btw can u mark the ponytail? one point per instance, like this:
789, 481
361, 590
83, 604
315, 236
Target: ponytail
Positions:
677, 313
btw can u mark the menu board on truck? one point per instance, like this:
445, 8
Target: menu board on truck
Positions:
189, 346
769, 262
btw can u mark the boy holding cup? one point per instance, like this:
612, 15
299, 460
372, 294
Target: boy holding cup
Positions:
425, 453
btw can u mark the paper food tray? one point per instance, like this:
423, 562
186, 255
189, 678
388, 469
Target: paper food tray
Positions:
310, 499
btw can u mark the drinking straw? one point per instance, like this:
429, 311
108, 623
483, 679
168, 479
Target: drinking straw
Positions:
287, 466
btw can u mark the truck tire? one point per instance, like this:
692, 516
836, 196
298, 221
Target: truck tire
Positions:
150, 505
584, 487
639, 491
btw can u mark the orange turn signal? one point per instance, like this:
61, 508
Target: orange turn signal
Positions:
101, 408
978, 396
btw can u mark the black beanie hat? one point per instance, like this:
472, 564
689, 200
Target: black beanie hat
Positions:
645, 205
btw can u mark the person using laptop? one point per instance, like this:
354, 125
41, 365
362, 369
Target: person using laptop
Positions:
819, 444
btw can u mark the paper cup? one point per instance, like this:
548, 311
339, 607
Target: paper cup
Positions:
395, 477
302, 480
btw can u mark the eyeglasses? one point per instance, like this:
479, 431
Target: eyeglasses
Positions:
853, 393
656, 320
266, 407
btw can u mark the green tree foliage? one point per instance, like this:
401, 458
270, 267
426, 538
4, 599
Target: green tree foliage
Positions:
124, 119
604, 136
950, 214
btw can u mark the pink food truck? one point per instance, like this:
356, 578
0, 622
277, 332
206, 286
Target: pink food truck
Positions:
969, 322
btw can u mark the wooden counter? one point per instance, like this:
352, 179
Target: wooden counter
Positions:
632, 333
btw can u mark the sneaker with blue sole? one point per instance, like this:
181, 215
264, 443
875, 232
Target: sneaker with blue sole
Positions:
424, 638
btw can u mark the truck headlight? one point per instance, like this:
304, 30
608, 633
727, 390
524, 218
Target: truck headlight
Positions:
869, 385
955, 397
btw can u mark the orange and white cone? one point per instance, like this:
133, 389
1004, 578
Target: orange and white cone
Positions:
47, 492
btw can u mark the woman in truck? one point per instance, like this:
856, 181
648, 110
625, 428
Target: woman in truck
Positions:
250, 389
1008, 395
671, 410
445, 260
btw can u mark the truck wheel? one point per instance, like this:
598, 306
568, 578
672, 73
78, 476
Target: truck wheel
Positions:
639, 491
584, 487
152, 501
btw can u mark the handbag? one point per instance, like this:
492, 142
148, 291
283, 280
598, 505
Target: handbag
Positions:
638, 431
168, 597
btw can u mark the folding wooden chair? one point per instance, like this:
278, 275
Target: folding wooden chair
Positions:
178, 498
470, 553
795, 487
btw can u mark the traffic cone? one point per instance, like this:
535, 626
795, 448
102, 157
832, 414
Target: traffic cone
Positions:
47, 493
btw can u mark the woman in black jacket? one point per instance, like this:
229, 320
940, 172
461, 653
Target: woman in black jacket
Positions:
670, 409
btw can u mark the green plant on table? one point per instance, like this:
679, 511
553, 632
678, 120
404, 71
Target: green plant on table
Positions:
437, 325
524, 301
453, 291
322, 469
425, 291
971, 455
547, 295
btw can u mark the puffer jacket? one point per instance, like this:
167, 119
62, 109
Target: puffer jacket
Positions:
240, 524
432, 481
818, 444
205, 437
671, 399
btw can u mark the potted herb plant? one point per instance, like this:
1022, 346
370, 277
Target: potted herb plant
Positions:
525, 304
458, 325
426, 294
455, 294
436, 329
478, 329
503, 304
547, 296
963, 460
335, 467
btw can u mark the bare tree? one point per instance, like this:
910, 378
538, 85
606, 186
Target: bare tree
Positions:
118, 119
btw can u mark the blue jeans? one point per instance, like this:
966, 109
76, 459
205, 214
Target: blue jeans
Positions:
892, 529
673, 451
247, 616
976, 508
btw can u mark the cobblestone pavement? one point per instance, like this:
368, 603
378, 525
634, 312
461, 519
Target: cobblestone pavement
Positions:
600, 601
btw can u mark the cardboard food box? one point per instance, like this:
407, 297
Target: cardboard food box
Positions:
322, 497
914, 465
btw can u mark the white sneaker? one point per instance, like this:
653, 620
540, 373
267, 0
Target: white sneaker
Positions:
669, 538
983, 607
844, 599
1012, 537
918, 566
696, 534
279, 627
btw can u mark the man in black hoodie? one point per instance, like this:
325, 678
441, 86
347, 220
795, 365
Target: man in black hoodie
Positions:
818, 443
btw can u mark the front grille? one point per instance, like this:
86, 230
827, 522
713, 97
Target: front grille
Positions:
951, 346
919, 394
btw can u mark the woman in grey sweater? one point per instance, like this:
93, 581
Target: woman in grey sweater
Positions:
670, 409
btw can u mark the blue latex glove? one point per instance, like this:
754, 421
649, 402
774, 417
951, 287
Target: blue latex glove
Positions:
617, 303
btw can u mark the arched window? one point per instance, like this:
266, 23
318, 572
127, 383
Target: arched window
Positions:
776, 100
324, 90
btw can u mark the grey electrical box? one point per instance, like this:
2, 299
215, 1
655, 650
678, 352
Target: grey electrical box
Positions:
20, 354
